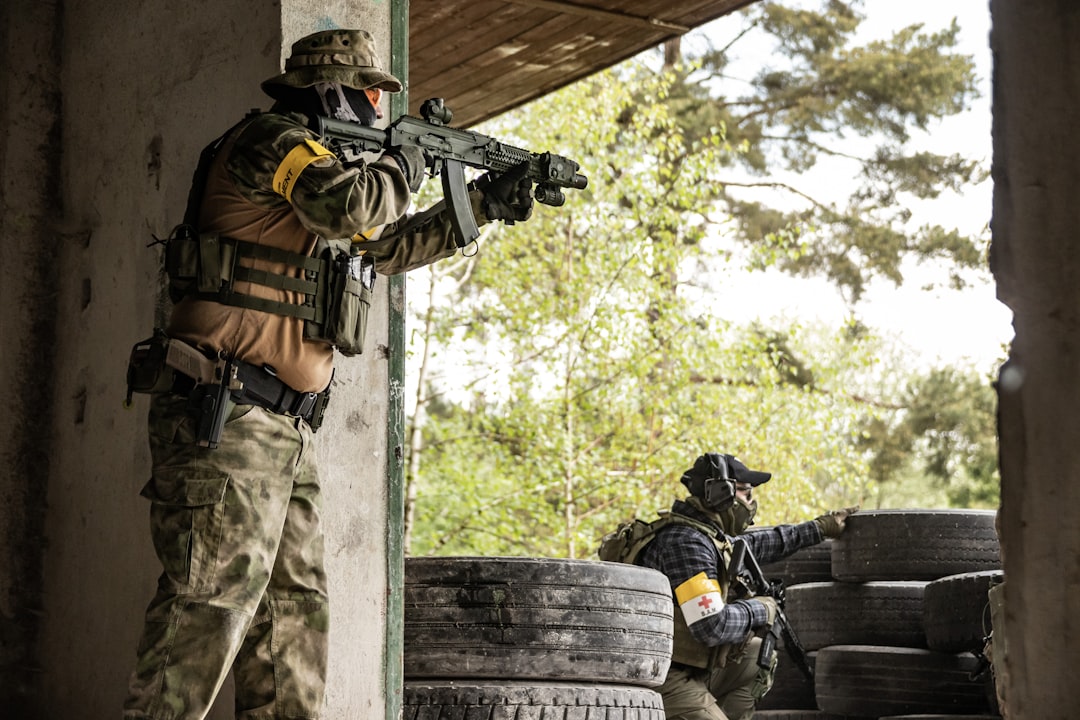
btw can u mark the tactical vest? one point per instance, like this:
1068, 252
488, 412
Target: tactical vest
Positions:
335, 283
628, 542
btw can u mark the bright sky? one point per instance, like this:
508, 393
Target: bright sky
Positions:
963, 327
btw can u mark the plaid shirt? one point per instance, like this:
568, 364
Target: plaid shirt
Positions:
681, 552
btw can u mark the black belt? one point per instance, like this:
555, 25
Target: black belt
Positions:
262, 388
265, 390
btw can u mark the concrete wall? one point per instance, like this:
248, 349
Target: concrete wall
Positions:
29, 173
1035, 259
104, 109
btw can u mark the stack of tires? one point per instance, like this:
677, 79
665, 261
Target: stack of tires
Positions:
501, 638
890, 614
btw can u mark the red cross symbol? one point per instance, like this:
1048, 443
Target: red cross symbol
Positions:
705, 602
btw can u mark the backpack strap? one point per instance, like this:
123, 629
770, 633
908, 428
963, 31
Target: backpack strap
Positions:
631, 538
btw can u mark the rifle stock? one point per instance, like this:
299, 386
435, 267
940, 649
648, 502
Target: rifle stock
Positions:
743, 558
447, 151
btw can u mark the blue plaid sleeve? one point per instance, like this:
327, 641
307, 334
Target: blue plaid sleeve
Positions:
775, 543
681, 553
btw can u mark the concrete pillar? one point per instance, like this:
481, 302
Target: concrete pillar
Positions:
1036, 233
30, 157
104, 110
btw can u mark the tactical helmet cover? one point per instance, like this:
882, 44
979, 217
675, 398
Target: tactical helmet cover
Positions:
343, 56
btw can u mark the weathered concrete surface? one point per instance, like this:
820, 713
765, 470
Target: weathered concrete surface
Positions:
29, 171
104, 110
1035, 259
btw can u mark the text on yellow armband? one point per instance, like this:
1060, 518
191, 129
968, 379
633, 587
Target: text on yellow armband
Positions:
294, 163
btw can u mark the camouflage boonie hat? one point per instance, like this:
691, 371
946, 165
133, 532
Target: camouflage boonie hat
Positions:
344, 56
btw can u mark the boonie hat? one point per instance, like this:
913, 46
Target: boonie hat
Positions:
343, 56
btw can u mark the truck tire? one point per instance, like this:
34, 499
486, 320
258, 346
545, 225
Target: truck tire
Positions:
791, 689
915, 545
875, 681
799, 715
956, 611
536, 619
871, 613
938, 717
493, 700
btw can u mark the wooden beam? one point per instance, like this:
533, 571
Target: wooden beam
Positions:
561, 6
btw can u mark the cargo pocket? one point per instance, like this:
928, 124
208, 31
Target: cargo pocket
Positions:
187, 507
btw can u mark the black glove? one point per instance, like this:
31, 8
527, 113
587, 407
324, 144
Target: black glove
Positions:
412, 162
508, 197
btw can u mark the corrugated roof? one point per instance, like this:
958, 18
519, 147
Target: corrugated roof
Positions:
485, 57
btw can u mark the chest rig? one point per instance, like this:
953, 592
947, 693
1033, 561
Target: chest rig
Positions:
334, 284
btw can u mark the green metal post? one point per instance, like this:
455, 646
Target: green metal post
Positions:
395, 441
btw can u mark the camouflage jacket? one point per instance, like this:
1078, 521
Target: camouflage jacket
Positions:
338, 200
245, 198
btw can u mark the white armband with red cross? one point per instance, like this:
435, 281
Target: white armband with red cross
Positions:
699, 597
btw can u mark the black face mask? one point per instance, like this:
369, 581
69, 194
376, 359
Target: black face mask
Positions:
350, 105
345, 103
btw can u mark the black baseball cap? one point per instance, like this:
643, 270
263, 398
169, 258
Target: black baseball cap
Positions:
744, 474
726, 467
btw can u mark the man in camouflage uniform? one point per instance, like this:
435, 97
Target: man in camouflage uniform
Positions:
714, 673
237, 527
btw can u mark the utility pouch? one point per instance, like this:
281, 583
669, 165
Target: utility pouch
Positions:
147, 371
181, 260
763, 682
196, 262
156, 363
626, 542
345, 285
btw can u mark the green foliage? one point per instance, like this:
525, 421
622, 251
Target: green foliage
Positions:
585, 360
822, 101
612, 380
946, 433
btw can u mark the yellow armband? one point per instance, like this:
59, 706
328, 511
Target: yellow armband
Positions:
295, 163
699, 597
368, 235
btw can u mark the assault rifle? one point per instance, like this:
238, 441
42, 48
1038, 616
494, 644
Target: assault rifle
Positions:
447, 150
745, 569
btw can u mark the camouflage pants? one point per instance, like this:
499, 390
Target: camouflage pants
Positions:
727, 693
243, 587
